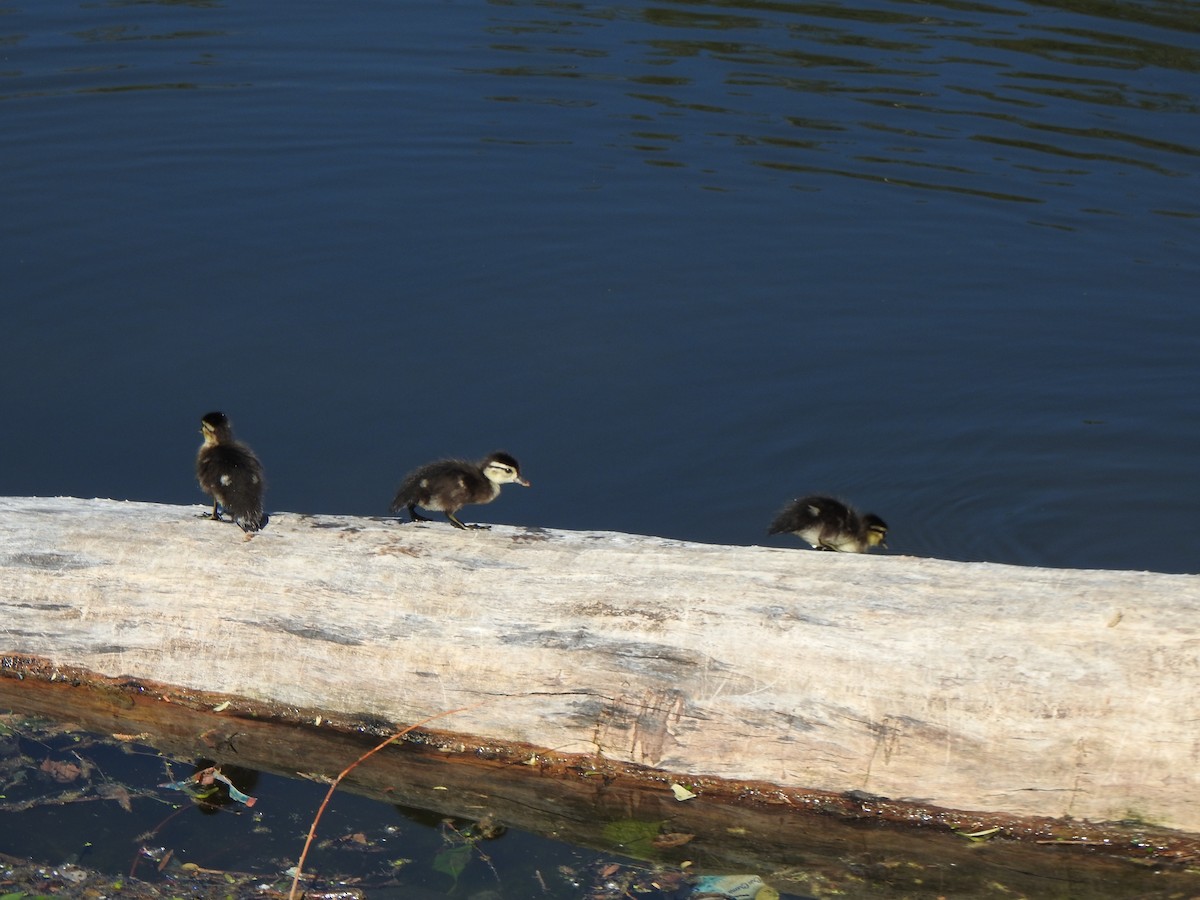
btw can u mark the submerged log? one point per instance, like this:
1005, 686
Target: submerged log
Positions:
804, 842
968, 686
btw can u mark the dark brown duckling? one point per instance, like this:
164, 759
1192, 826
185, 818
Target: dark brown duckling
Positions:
448, 485
231, 474
829, 524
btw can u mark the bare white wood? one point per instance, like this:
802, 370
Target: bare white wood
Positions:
968, 685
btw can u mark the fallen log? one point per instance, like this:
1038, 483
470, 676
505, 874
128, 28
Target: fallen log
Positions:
964, 686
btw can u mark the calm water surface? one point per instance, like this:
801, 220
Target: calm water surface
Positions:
685, 260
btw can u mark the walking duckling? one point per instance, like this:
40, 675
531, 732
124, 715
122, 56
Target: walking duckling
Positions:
448, 485
231, 474
829, 524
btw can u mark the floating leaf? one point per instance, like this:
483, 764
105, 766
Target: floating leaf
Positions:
115, 792
452, 860
671, 839
73, 874
979, 835
681, 793
637, 837
62, 772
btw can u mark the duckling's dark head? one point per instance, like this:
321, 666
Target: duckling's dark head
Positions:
876, 530
502, 468
215, 427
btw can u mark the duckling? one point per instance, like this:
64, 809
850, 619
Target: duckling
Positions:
829, 524
448, 485
231, 474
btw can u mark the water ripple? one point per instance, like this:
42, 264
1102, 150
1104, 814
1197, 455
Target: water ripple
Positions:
809, 80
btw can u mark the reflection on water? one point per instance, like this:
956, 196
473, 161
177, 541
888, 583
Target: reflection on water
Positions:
82, 60
887, 93
890, 91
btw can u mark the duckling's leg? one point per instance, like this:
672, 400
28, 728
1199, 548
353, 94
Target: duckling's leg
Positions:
215, 515
457, 524
416, 516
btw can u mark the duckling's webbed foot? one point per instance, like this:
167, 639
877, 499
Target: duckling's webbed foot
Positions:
416, 516
457, 524
215, 515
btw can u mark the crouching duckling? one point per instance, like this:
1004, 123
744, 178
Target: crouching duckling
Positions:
829, 524
231, 474
448, 485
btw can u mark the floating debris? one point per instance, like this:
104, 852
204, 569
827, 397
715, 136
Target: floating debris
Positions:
205, 777
681, 793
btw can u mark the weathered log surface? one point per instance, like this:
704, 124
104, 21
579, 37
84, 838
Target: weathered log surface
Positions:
971, 686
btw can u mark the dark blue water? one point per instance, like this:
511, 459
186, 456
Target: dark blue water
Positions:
684, 260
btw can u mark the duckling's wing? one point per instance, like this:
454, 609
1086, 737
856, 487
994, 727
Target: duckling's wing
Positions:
839, 524
446, 485
799, 515
229, 468
233, 476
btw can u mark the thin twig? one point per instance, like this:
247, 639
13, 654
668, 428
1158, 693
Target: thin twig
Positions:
312, 831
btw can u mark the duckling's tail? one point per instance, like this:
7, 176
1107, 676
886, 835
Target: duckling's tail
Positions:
252, 522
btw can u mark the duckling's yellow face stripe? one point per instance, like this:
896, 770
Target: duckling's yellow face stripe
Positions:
501, 473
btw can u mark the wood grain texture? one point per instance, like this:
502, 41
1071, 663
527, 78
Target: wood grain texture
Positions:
968, 685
